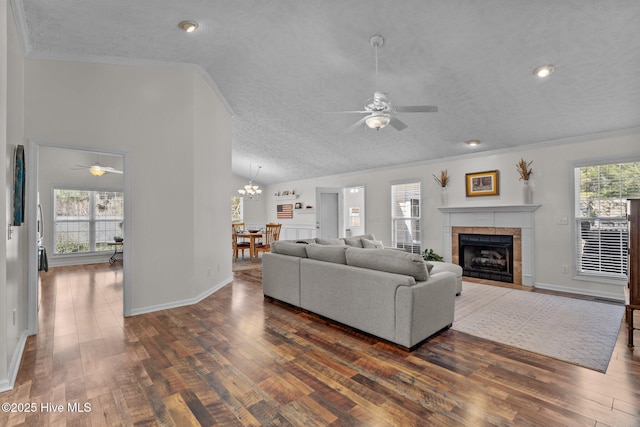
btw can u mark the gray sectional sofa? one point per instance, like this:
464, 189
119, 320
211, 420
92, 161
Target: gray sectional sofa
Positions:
384, 292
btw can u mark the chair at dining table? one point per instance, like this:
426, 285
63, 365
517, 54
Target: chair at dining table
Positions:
238, 245
271, 234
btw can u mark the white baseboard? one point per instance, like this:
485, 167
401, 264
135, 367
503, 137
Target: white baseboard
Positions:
7, 383
182, 303
581, 291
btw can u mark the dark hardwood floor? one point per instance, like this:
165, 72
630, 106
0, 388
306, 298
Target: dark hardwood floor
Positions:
237, 359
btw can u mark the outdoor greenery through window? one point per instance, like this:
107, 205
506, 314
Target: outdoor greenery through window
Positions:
236, 209
601, 217
405, 216
85, 221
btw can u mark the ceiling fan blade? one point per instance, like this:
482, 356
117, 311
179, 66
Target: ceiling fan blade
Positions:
348, 112
356, 124
417, 109
110, 169
397, 124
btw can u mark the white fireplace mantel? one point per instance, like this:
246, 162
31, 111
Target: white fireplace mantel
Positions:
514, 216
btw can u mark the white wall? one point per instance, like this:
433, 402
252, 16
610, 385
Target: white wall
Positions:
148, 114
551, 181
13, 254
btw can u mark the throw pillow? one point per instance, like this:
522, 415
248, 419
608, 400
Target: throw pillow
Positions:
356, 241
429, 266
372, 244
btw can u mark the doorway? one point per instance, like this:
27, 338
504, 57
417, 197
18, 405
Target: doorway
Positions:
340, 211
58, 165
354, 211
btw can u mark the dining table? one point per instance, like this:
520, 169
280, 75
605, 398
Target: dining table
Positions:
252, 242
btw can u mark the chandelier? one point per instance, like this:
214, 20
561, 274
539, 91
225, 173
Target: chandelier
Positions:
250, 191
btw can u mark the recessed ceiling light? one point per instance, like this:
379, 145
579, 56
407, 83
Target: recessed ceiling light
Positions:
188, 26
543, 71
473, 142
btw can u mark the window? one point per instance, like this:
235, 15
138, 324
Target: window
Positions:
601, 217
405, 216
85, 221
237, 209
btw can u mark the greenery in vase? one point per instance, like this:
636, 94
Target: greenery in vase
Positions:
524, 169
430, 255
443, 179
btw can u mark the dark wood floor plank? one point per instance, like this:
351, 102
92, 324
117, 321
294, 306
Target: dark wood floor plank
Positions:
236, 359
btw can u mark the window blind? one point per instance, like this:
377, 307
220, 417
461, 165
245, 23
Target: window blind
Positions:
602, 236
405, 216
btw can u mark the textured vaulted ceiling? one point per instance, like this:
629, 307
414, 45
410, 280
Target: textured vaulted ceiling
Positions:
281, 65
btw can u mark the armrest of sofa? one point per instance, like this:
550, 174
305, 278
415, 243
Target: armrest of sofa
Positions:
425, 308
281, 277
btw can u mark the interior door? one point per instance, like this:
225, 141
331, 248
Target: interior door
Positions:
328, 212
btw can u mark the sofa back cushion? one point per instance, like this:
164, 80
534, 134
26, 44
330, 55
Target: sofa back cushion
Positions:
329, 241
389, 260
328, 253
283, 247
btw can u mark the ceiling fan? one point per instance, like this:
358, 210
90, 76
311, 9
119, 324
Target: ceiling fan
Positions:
97, 169
379, 111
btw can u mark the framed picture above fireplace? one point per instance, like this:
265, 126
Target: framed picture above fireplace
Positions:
482, 183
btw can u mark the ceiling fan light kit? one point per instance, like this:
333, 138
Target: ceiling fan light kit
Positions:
379, 111
96, 170
377, 121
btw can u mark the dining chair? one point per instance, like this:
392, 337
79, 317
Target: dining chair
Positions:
236, 245
271, 234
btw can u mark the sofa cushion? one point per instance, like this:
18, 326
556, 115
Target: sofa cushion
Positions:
329, 241
356, 241
389, 260
371, 244
327, 253
289, 248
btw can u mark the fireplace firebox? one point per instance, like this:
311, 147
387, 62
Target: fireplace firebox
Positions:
486, 256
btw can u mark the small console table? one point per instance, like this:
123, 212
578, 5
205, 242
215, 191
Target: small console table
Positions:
118, 248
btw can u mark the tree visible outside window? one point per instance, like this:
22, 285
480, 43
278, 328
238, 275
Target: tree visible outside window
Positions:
405, 216
601, 204
85, 221
236, 209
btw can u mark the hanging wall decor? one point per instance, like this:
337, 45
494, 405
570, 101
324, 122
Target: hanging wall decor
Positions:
482, 184
19, 186
285, 211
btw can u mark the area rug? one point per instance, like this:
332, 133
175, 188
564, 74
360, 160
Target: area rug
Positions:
573, 330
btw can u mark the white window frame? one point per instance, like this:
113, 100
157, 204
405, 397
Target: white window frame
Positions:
92, 220
599, 222
240, 208
412, 222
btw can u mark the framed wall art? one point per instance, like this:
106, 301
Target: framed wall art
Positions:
482, 183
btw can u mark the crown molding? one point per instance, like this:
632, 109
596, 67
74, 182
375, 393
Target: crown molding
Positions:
17, 7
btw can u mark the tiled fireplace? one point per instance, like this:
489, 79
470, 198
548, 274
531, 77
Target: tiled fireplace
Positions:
491, 242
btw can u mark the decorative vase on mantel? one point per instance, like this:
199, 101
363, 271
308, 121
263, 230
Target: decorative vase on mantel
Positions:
527, 193
444, 196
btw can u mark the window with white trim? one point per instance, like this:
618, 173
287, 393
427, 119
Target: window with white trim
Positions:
237, 212
405, 216
86, 221
601, 206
